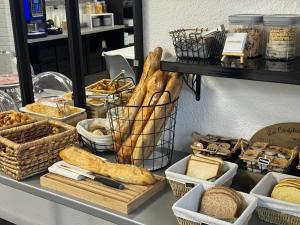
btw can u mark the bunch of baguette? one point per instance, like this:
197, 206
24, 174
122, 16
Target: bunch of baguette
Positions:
140, 128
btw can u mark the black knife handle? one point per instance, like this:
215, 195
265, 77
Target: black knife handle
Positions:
109, 182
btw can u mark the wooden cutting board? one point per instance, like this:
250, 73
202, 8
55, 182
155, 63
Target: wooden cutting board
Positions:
124, 201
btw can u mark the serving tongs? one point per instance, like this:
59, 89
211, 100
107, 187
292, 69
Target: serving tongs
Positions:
61, 107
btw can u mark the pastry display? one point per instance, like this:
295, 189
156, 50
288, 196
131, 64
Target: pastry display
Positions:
55, 111
11, 118
262, 156
287, 190
140, 128
222, 203
216, 145
90, 101
108, 86
119, 172
204, 168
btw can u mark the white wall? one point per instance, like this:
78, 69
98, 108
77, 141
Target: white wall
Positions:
6, 36
227, 107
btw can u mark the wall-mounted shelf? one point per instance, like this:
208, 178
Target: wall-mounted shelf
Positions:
253, 69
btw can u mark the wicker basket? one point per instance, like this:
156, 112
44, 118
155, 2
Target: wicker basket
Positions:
31, 149
275, 217
31, 120
179, 189
186, 222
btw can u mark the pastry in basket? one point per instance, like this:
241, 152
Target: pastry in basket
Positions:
98, 129
10, 118
119, 172
204, 168
58, 111
108, 86
287, 190
222, 203
216, 145
263, 156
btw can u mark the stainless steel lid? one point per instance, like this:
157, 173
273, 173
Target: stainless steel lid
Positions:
246, 19
282, 19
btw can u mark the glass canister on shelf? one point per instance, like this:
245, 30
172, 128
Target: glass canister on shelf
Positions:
253, 25
281, 36
88, 9
98, 8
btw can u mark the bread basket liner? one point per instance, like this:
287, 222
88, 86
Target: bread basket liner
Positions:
177, 171
263, 189
105, 139
187, 207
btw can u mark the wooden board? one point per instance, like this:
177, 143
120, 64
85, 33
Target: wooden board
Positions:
124, 201
282, 134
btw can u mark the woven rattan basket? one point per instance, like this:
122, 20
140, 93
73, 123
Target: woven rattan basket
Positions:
187, 222
31, 149
275, 217
179, 189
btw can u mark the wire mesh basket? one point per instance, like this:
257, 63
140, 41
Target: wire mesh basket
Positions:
198, 43
152, 148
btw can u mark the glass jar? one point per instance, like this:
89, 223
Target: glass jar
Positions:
253, 25
98, 8
88, 9
281, 36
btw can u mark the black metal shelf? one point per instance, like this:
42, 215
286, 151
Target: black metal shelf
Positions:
254, 69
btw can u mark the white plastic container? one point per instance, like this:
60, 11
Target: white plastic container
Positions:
177, 172
181, 183
263, 191
187, 208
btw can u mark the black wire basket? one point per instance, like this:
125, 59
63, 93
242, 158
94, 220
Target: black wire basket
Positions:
198, 43
151, 148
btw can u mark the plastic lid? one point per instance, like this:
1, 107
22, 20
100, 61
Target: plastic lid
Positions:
246, 19
282, 19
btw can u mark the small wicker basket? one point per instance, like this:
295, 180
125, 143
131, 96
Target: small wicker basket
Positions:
30, 149
275, 217
180, 189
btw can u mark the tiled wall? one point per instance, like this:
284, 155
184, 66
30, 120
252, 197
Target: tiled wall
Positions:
6, 35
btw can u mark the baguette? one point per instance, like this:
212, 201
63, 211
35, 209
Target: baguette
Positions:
152, 132
155, 86
119, 172
122, 131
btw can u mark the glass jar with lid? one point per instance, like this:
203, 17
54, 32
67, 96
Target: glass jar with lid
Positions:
281, 36
253, 25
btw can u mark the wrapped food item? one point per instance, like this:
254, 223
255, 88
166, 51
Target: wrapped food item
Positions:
216, 145
261, 156
108, 86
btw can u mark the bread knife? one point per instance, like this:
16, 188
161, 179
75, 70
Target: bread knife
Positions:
101, 179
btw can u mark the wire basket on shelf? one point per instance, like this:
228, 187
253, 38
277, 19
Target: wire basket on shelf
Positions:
152, 148
198, 43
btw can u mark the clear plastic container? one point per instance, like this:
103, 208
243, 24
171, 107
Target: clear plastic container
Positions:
50, 86
7, 103
281, 36
253, 25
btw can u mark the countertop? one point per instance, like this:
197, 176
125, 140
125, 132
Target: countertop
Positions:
84, 31
155, 211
